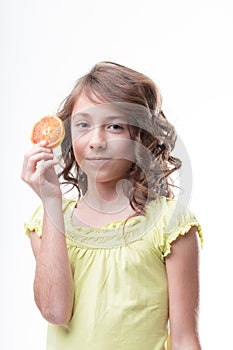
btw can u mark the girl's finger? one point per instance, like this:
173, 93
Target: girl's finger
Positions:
42, 143
46, 165
35, 150
30, 163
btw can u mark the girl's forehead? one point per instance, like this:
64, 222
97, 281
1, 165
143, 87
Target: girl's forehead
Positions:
100, 112
96, 109
132, 113
84, 103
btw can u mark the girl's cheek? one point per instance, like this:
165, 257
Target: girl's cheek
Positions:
77, 148
75, 138
79, 138
80, 148
78, 156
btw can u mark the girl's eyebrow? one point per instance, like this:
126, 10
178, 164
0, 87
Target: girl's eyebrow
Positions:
115, 117
106, 119
81, 114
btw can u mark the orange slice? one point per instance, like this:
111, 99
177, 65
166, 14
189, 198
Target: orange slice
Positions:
49, 128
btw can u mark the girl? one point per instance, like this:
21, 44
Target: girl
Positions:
117, 267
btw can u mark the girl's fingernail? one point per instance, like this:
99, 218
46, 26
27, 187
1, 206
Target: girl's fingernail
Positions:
42, 143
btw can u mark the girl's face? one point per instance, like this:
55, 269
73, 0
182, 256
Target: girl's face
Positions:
101, 140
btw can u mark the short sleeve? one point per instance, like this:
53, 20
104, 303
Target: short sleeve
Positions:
35, 222
177, 221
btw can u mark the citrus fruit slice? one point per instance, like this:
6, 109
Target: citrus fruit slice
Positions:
49, 128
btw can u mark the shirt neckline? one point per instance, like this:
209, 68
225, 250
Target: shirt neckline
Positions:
112, 234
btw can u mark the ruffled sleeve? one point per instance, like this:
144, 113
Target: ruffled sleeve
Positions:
35, 222
177, 221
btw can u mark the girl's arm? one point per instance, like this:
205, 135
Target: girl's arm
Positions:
183, 286
53, 284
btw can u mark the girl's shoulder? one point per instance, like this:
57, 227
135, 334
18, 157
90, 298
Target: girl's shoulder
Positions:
34, 223
171, 213
172, 218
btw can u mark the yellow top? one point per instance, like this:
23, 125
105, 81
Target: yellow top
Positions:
121, 294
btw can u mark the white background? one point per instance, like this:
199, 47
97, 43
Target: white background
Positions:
185, 46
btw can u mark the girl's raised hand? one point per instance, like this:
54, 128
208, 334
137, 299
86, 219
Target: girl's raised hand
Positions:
39, 173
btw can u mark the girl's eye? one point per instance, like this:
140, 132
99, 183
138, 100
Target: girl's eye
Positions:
83, 126
116, 127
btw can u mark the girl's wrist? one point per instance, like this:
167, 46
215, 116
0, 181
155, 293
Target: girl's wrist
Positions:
53, 215
50, 201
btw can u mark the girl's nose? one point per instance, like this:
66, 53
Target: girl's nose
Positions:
97, 139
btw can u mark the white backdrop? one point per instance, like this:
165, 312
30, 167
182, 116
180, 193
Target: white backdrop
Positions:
185, 46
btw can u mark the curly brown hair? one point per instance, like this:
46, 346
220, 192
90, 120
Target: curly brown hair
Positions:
150, 173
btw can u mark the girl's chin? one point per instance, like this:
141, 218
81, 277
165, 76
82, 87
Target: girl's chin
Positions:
106, 170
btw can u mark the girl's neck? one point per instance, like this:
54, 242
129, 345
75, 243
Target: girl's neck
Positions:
107, 197
104, 203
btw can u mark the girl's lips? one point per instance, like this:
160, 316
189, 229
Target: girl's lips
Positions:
98, 158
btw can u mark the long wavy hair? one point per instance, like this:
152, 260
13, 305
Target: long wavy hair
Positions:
150, 172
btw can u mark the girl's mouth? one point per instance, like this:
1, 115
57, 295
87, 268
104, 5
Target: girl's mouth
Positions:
97, 159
